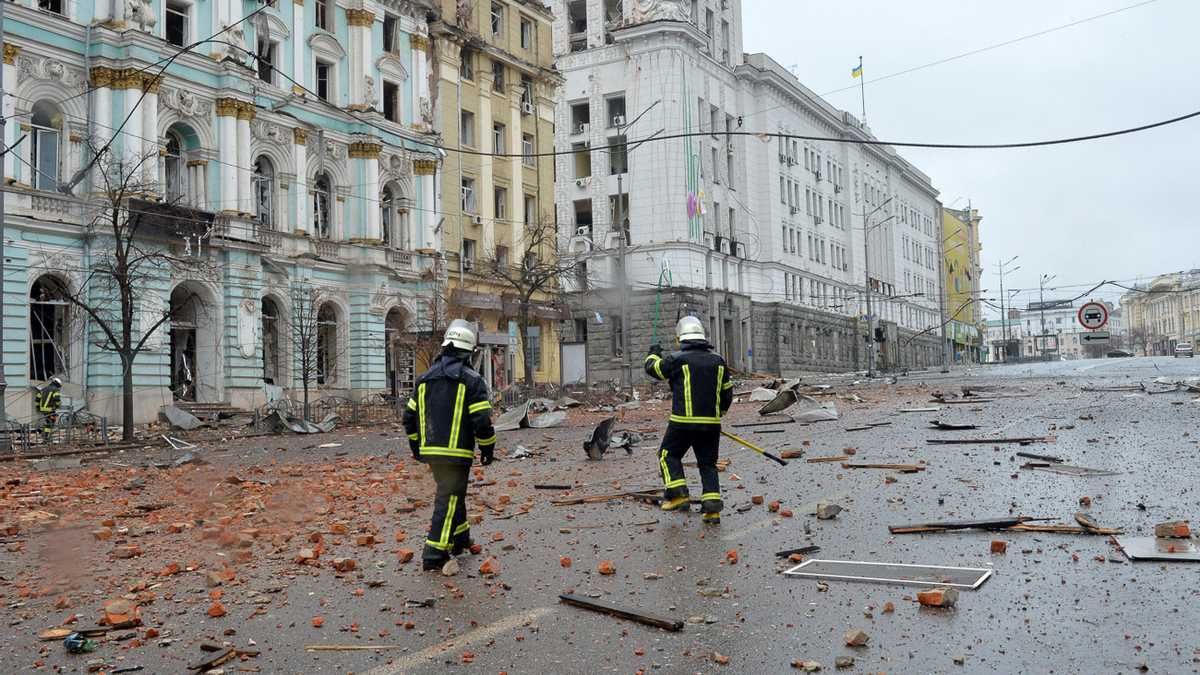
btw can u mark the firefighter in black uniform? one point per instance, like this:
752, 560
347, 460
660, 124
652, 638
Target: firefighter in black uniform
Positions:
447, 415
701, 392
48, 400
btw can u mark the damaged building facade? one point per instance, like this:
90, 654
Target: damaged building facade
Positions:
759, 235
292, 157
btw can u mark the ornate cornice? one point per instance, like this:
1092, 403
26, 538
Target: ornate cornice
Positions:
299, 136
365, 150
424, 167
102, 76
245, 110
227, 107
151, 83
360, 17
419, 42
10, 53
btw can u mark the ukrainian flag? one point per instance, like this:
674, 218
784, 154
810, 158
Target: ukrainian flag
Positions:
856, 71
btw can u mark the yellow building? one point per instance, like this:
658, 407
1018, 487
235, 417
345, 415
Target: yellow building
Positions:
494, 90
962, 271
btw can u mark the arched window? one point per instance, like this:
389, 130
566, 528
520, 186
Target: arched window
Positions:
322, 193
270, 341
327, 344
264, 191
45, 141
173, 170
387, 211
48, 337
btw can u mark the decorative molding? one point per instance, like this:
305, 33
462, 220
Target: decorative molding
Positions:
390, 65
197, 162
246, 110
299, 136
182, 101
102, 76
227, 107
365, 150
424, 167
360, 17
43, 68
151, 83
327, 44
266, 131
419, 42
334, 151
277, 28
10, 53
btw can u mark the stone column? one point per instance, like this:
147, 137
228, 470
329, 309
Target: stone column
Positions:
130, 82
299, 191
424, 172
197, 171
516, 194
420, 78
484, 198
150, 138
366, 155
227, 197
245, 162
362, 84
299, 50
11, 129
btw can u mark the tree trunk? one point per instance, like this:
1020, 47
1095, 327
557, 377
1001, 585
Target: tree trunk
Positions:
126, 399
523, 328
307, 410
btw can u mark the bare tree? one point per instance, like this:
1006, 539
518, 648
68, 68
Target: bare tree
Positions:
538, 273
1139, 336
304, 328
135, 239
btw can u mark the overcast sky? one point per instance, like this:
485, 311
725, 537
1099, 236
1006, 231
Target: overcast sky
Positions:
1111, 209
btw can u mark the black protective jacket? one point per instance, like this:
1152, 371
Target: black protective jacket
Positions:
449, 413
701, 389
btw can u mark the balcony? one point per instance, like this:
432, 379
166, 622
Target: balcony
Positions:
52, 206
401, 261
330, 250
272, 239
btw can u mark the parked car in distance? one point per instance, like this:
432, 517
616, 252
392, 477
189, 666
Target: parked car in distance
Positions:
1184, 350
1119, 353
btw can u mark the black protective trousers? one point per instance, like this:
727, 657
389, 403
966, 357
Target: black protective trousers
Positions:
703, 441
449, 528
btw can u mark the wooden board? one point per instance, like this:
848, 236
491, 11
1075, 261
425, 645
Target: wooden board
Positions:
674, 625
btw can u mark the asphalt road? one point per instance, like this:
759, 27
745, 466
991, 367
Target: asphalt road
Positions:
1056, 603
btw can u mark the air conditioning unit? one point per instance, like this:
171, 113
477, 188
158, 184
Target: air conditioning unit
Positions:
583, 128
477, 219
791, 161
729, 148
581, 182
794, 210
817, 173
583, 231
527, 107
782, 157
468, 264
733, 247
618, 120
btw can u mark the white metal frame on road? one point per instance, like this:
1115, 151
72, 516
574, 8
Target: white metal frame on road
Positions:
796, 571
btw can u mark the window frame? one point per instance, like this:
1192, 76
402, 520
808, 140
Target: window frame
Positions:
466, 131
329, 79
527, 33
184, 11
321, 14
322, 227
262, 187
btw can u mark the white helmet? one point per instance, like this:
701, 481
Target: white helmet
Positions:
460, 334
56, 381
689, 328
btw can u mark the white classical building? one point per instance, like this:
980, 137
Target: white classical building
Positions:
761, 235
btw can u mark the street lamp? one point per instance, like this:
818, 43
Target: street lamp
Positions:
867, 227
1004, 312
1042, 307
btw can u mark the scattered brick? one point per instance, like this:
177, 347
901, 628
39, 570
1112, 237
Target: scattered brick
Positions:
606, 567
856, 637
999, 546
1176, 529
938, 597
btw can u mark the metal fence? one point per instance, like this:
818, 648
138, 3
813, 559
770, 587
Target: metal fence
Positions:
70, 428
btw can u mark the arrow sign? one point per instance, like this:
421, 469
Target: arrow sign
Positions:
1095, 336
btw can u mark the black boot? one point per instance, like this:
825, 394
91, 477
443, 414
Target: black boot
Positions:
432, 559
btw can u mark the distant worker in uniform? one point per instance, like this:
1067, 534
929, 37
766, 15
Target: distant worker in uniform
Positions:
447, 415
48, 399
701, 392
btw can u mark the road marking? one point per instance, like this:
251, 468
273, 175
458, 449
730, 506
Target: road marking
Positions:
422, 658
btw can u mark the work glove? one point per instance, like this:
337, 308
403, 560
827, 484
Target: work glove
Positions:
415, 447
656, 349
487, 454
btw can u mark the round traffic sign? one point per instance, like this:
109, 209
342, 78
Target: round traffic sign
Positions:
1093, 315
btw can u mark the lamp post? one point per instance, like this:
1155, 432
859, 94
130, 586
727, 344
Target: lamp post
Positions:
1003, 312
867, 227
1042, 307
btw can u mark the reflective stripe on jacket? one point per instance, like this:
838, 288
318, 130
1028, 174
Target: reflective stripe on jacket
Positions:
449, 413
701, 389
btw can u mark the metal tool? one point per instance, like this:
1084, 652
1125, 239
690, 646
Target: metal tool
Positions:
748, 444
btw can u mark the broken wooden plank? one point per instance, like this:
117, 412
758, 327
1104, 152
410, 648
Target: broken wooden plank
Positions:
985, 441
224, 657
674, 625
835, 458
1063, 529
1087, 521
902, 468
350, 648
552, 486
803, 550
985, 524
918, 410
962, 401
1044, 458
1120, 387
952, 426
595, 499
785, 420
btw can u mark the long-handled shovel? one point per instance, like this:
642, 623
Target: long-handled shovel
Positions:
748, 444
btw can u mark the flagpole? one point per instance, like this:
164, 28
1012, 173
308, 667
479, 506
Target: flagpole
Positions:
862, 89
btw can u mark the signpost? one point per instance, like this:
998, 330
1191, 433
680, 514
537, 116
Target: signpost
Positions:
1093, 315
1095, 337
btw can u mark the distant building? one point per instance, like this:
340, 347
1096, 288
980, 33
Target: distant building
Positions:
1052, 329
995, 335
961, 274
1163, 313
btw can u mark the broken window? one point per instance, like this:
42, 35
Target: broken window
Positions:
327, 340
270, 341
48, 334
321, 208
386, 211
46, 121
173, 169
263, 181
